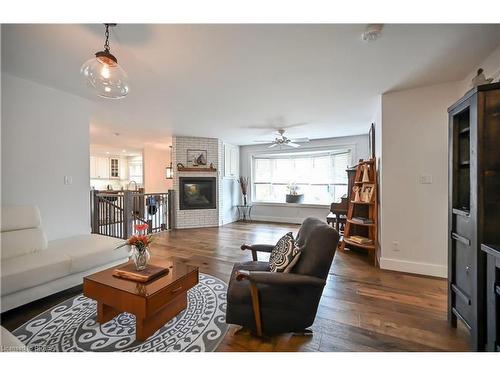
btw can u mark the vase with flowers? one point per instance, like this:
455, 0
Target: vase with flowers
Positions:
243, 181
140, 247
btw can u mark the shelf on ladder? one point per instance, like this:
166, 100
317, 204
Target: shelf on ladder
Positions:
366, 209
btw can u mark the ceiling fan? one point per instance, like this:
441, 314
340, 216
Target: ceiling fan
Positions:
281, 140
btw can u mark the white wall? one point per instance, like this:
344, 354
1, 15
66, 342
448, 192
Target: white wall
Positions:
491, 67
290, 213
45, 136
156, 158
414, 142
414, 139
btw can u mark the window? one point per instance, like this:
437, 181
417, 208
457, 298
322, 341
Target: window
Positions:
135, 169
320, 177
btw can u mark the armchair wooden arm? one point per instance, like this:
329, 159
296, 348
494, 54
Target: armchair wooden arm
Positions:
257, 247
254, 292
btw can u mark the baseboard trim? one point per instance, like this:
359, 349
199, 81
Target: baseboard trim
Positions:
419, 268
278, 219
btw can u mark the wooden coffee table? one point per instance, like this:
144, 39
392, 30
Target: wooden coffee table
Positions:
153, 303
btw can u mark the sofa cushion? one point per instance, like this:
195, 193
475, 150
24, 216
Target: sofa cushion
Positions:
28, 270
20, 217
21, 242
89, 250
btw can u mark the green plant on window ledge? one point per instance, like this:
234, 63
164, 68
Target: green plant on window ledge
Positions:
293, 195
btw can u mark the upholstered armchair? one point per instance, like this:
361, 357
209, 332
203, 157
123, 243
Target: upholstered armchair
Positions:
274, 302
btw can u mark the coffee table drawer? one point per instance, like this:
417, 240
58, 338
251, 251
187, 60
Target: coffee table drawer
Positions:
158, 300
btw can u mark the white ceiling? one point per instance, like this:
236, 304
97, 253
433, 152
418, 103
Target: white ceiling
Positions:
228, 80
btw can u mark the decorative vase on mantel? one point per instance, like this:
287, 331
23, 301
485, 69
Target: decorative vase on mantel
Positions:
140, 257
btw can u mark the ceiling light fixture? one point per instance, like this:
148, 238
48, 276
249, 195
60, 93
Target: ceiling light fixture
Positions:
103, 73
372, 32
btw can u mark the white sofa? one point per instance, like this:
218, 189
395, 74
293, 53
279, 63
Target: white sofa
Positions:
33, 268
10, 343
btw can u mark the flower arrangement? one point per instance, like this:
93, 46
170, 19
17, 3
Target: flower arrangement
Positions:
292, 188
140, 244
140, 241
243, 181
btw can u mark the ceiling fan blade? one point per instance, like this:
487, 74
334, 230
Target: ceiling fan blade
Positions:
291, 144
263, 141
296, 125
260, 126
273, 145
299, 140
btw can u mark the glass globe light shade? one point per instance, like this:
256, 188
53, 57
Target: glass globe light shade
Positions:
106, 76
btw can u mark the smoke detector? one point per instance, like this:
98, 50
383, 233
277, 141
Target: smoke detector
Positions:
372, 32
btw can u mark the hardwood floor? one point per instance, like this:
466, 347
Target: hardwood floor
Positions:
362, 309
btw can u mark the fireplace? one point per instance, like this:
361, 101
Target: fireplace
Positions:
197, 193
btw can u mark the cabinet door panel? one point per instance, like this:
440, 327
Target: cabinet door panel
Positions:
93, 167
463, 266
231, 162
464, 309
234, 161
114, 168
123, 169
464, 226
102, 167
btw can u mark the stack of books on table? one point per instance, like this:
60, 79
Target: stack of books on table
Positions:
361, 220
361, 240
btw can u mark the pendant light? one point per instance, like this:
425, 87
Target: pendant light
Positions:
169, 171
103, 73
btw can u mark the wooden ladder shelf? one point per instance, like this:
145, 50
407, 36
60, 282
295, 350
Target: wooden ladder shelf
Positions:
362, 214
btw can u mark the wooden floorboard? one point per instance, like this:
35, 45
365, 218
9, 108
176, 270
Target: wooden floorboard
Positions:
362, 308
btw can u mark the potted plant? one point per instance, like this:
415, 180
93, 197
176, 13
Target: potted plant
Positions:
293, 195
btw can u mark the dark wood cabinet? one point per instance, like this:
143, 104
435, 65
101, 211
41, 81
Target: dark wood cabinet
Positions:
492, 297
474, 205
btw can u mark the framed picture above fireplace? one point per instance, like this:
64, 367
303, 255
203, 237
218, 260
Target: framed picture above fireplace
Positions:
196, 158
197, 193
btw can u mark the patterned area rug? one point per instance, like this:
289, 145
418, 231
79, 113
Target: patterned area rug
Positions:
71, 326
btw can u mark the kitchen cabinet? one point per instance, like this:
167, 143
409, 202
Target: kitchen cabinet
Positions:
100, 167
114, 168
231, 161
123, 167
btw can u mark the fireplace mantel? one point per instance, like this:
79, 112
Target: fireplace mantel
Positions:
196, 169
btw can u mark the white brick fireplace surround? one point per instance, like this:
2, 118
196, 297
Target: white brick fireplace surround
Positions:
215, 155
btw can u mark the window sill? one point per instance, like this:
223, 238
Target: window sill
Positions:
301, 205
